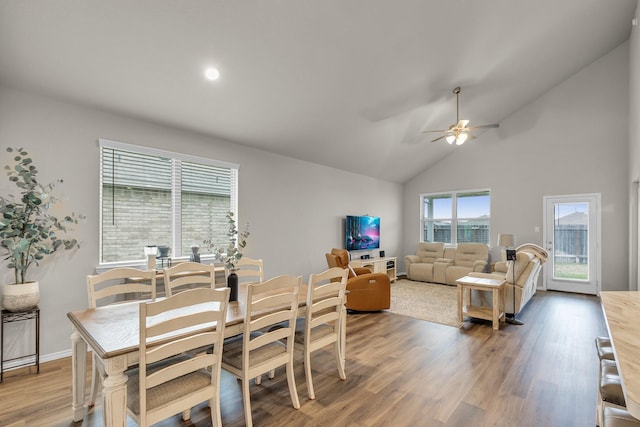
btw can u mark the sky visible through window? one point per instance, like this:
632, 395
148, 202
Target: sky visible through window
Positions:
468, 207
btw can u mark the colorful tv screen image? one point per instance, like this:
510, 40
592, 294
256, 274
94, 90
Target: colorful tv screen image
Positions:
362, 233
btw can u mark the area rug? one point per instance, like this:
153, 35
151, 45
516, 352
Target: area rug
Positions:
426, 301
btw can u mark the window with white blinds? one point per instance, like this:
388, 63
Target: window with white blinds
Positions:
156, 197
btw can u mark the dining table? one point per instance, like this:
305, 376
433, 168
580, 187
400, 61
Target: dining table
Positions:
622, 314
112, 333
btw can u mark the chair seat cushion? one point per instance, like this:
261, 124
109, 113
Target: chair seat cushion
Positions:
166, 392
604, 348
232, 351
610, 384
614, 417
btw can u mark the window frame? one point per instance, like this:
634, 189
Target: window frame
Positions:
454, 213
176, 232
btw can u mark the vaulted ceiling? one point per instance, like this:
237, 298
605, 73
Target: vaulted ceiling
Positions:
345, 83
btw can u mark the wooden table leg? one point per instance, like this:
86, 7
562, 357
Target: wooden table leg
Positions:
496, 308
78, 373
459, 302
504, 302
114, 412
343, 337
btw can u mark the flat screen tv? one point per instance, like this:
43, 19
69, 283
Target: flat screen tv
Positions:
362, 233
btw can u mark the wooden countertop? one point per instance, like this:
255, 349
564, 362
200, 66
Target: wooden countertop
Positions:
622, 314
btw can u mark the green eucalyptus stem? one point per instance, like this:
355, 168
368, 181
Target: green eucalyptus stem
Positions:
28, 232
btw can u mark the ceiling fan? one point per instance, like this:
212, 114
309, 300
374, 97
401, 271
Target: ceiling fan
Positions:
460, 131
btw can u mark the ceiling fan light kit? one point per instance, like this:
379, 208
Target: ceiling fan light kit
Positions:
459, 132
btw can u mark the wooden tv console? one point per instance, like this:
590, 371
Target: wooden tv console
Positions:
378, 265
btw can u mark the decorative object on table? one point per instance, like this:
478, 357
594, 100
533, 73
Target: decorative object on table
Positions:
507, 241
232, 283
195, 253
150, 253
230, 254
164, 256
163, 251
28, 232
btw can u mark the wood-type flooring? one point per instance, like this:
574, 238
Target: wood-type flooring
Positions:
400, 372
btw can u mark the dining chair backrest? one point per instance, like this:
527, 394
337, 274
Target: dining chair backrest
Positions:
250, 270
325, 297
261, 348
115, 286
169, 381
279, 298
189, 275
112, 285
325, 318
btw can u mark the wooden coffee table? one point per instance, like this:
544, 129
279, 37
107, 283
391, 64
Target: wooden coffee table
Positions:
498, 290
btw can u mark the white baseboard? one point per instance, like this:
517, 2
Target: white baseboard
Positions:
25, 361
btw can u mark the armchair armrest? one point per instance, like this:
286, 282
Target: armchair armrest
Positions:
361, 271
501, 266
411, 259
479, 265
445, 260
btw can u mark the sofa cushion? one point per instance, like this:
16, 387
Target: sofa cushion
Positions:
429, 251
468, 253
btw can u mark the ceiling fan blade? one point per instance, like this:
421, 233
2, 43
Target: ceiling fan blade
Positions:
439, 138
441, 130
495, 125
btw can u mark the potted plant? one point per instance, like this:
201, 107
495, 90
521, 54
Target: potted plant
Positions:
230, 254
28, 231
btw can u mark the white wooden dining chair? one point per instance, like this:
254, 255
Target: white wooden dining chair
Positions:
325, 320
256, 352
111, 287
250, 270
189, 275
168, 381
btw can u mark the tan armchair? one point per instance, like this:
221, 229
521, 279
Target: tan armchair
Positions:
420, 266
528, 264
366, 291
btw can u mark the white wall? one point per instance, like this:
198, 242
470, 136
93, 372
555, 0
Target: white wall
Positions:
571, 140
295, 208
634, 151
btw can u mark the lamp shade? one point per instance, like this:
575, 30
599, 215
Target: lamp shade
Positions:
506, 240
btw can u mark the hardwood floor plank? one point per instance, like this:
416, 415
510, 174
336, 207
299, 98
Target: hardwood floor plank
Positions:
400, 371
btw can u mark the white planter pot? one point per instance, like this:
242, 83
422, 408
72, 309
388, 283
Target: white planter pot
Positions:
20, 297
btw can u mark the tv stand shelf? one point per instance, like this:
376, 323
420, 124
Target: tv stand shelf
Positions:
385, 265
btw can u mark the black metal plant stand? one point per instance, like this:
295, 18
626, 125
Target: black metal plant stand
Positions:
19, 316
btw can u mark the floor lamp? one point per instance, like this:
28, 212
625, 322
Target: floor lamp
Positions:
506, 241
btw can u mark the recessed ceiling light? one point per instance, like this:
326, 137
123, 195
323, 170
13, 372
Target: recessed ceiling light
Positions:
212, 73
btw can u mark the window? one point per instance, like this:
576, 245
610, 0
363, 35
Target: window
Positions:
155, 197
456, 217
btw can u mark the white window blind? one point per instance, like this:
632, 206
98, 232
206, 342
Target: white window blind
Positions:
155, 197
